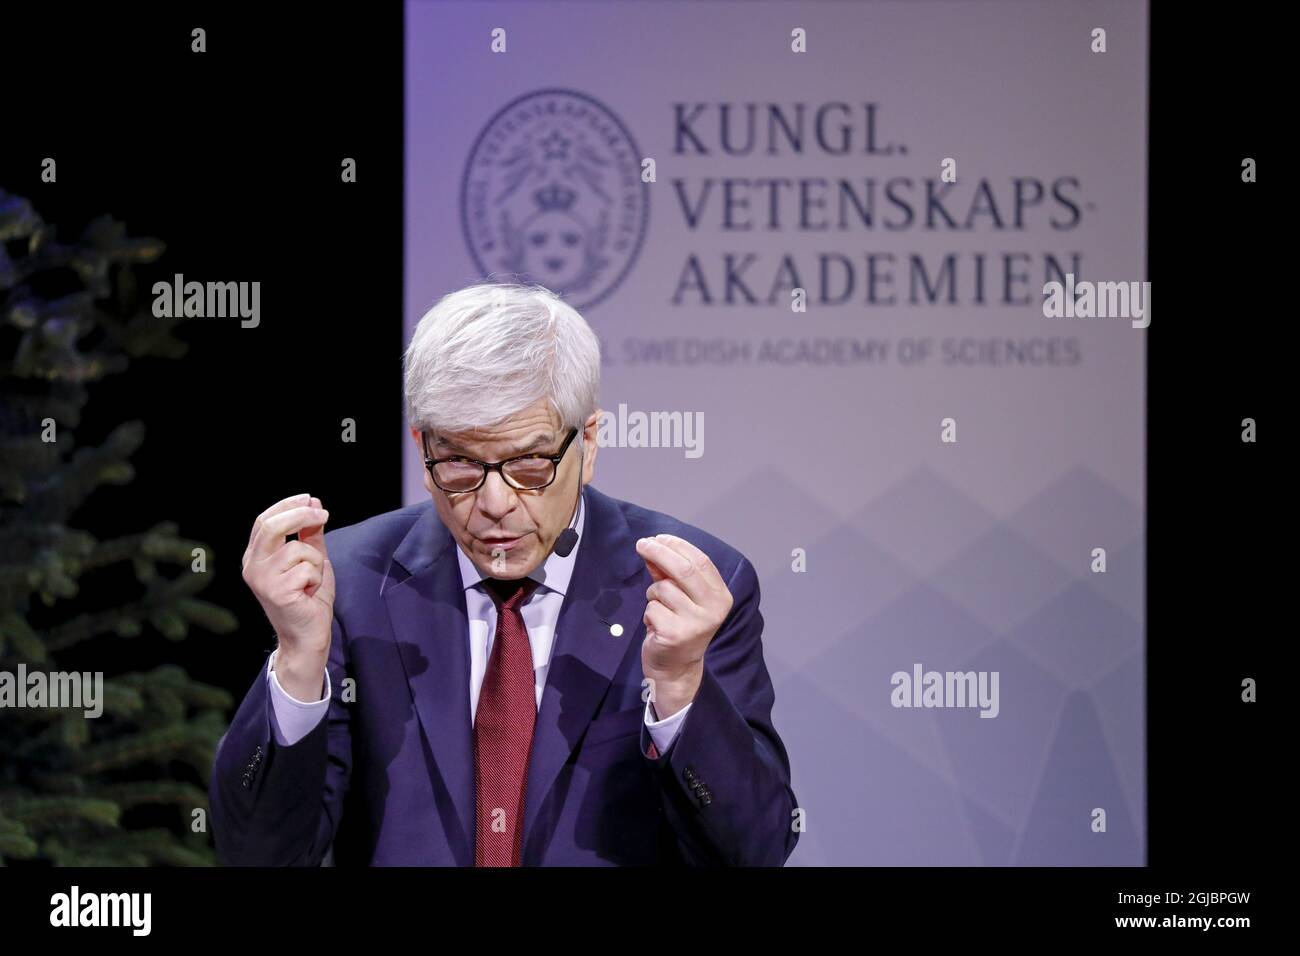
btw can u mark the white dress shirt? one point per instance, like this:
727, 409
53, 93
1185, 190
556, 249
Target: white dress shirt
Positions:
293, 719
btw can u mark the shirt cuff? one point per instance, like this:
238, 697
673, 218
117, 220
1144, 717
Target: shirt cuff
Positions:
293, 719
664, 732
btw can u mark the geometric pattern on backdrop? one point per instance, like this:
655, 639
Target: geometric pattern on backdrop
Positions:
924, 574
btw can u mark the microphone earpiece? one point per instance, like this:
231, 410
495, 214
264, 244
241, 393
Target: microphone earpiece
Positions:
565, 542
568, 538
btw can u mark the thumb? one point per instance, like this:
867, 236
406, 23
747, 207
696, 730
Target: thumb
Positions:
314, 536
326, 590
656, 573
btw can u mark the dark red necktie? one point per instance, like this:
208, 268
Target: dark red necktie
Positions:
503, 729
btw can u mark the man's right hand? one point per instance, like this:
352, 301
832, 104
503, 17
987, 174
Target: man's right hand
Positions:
294, 583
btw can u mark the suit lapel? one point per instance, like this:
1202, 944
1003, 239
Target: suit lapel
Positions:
585, 656
426, 606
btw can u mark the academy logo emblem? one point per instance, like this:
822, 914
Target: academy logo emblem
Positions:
552, 192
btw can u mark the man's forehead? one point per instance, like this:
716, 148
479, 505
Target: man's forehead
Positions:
512, 439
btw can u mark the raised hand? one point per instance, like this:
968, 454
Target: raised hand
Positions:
685, 605
293, 580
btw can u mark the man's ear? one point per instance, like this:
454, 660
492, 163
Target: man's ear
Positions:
589, 447
419, 451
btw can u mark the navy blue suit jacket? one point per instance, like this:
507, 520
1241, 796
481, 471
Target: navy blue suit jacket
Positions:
388, 778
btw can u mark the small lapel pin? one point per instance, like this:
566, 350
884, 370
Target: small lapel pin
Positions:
615, 630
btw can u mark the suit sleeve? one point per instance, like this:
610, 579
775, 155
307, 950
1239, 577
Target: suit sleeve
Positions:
725, 779
276, 805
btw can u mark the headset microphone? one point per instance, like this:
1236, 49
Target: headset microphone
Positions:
568, 538
565, 542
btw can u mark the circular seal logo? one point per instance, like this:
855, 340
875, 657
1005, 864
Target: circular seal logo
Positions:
552, 191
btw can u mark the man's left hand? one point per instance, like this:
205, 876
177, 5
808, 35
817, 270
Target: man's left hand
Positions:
685, 605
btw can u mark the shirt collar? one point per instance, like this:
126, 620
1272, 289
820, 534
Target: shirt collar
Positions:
553, 573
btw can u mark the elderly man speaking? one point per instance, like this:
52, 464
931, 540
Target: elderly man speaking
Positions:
521, 671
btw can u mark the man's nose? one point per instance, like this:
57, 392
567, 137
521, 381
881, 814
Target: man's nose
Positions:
495, 498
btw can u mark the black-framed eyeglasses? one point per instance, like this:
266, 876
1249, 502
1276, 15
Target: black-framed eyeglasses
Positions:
458, 474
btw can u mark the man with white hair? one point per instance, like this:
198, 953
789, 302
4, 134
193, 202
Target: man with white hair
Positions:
521, 671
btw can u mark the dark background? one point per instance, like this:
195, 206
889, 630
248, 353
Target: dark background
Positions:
232, 158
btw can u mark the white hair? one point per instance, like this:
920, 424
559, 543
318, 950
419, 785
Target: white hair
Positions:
490, 350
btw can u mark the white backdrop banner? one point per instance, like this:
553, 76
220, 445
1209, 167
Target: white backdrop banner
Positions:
814, 239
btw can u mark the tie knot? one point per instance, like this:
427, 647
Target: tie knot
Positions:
509, 593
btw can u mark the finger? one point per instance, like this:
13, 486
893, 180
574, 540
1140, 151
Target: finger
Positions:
314, 536
292, 553
314, 503
300, 578
667, 593
326, 590
295, 521
696, 556
658, 620
656, 573
284, 504
654, 550
678, 567
279, 526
